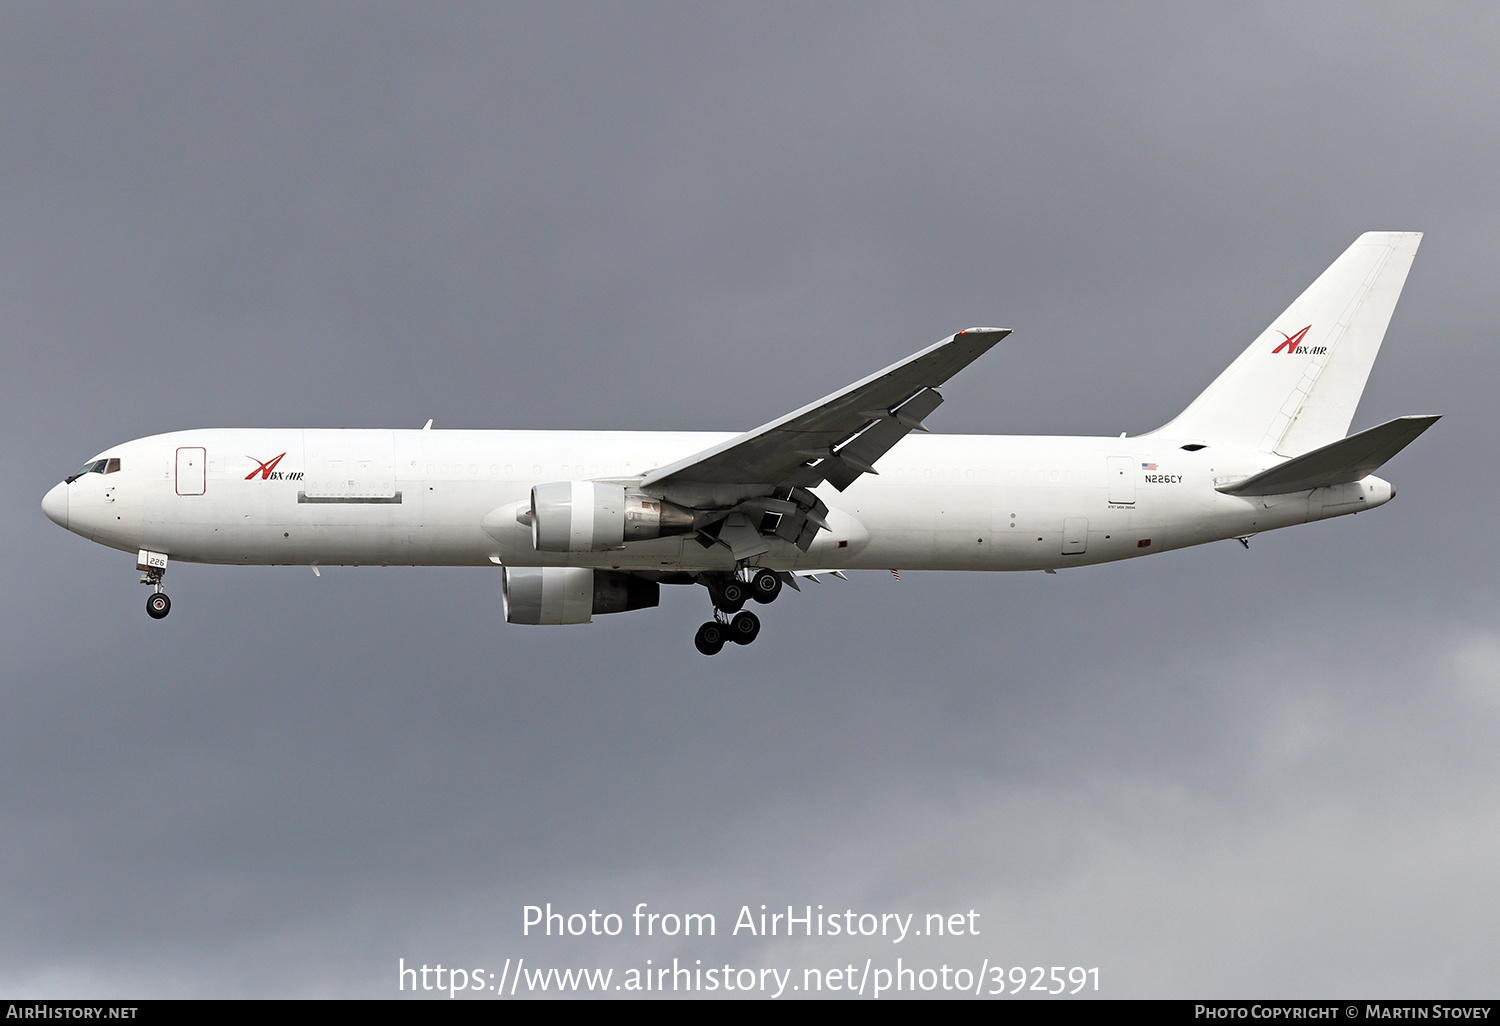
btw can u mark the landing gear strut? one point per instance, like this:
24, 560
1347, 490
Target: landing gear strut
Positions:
153, 565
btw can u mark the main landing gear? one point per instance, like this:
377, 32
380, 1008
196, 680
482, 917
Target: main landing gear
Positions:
732, 622
153, 566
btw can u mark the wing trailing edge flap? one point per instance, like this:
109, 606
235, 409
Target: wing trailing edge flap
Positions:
742, 538
793, 514
841, 463
1341, 462
811, 575
789, 577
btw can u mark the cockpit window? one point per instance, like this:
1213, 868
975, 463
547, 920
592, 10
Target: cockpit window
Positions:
96, 467
112, 466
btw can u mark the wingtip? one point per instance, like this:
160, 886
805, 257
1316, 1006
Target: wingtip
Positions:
1387, 237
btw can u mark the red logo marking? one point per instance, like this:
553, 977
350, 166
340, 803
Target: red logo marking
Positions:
1292, 341
264, 469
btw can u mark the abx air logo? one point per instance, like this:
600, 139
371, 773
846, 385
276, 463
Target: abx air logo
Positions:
268, 472
1293, 344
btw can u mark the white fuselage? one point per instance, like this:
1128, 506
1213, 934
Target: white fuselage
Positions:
940, 502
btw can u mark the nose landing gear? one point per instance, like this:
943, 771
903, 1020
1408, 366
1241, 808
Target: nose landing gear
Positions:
153, 565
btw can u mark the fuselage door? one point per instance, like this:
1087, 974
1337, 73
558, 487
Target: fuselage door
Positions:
1075, 535
192, 466
1121, 480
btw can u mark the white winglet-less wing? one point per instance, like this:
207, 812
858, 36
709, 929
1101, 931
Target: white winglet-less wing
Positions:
586, 523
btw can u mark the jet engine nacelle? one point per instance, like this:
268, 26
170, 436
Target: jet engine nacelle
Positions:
572, 594
590, 516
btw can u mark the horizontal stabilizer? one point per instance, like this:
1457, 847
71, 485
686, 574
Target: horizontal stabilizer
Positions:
1347, 460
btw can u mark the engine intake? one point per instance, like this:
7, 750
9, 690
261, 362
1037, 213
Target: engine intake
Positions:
591, 516
571, 594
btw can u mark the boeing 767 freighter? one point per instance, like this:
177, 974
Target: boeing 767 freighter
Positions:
588, 522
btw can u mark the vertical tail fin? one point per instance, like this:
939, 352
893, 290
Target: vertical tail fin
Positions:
1296, 387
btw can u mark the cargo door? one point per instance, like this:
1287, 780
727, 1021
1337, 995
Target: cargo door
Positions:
192, 467
349, 465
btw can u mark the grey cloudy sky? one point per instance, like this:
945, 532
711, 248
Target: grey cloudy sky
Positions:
1213, 773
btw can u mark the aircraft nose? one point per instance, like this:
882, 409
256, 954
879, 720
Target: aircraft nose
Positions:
55, 504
